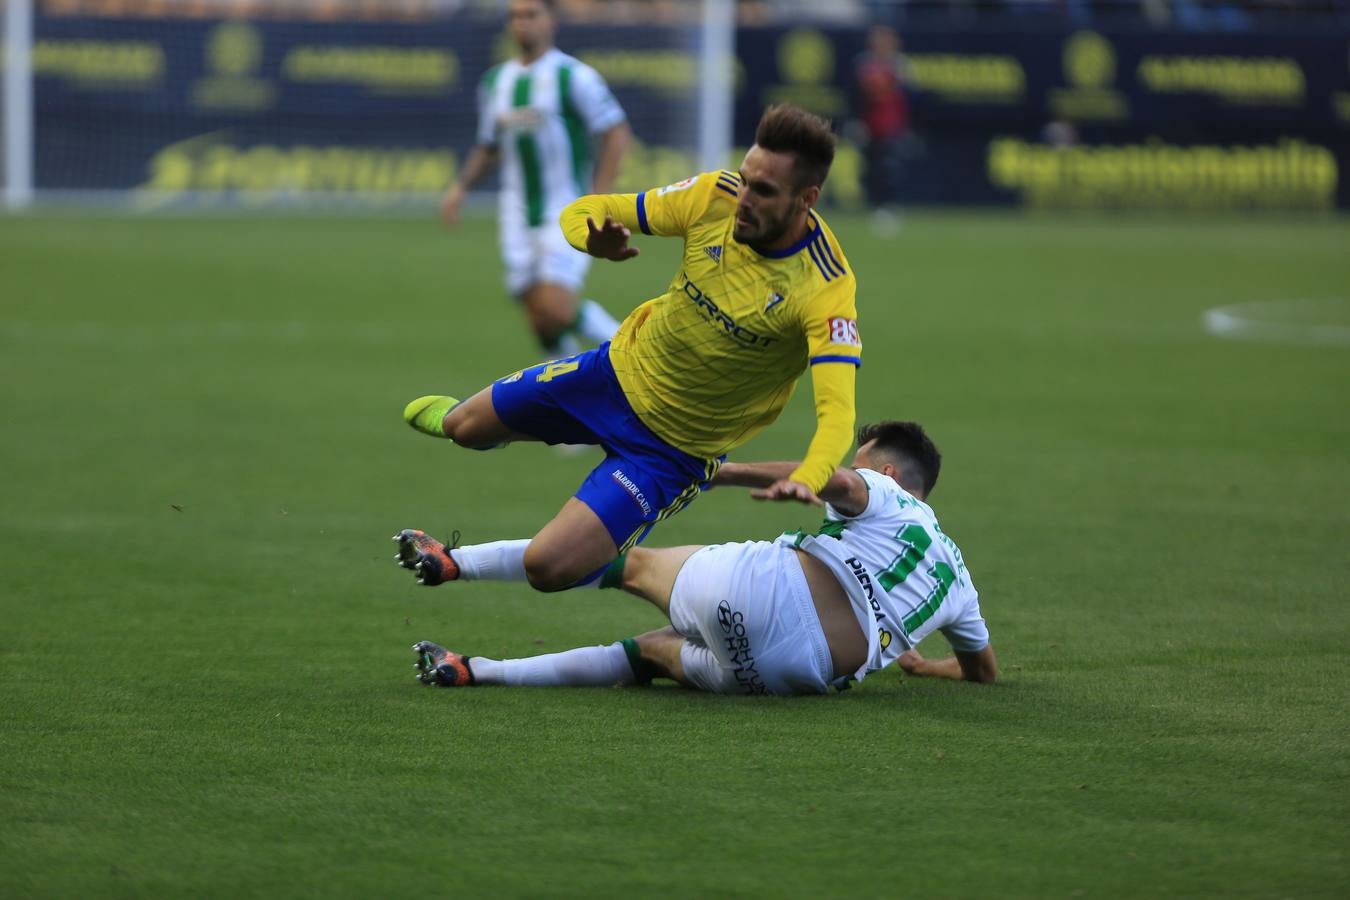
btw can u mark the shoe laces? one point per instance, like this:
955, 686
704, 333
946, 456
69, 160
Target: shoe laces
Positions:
453, 543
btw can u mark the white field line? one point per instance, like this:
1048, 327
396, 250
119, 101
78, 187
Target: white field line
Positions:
1269, 320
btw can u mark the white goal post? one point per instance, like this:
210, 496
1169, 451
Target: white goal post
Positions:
18, 103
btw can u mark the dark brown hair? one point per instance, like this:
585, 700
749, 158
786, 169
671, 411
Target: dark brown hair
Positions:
910, 450
790, 129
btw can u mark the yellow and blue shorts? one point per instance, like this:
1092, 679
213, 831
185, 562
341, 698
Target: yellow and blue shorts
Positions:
577, 400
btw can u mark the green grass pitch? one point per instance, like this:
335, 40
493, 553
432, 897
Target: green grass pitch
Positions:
205, 683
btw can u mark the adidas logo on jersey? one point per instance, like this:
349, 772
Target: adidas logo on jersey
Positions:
775, 298
714, 253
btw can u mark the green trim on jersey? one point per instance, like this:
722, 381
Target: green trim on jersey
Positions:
917, 540
945, 576
489, 79
528, 151
829, 528
576, 129
832, 528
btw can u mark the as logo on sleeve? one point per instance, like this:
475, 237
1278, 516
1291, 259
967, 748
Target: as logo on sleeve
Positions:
844, 331
678, 186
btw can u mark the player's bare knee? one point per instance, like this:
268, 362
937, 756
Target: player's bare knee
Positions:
547, 577
549, 572
468, 429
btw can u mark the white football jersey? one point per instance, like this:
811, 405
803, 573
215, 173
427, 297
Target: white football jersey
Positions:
541, 118
904, 576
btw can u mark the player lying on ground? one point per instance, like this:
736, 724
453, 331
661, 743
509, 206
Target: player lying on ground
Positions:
791, 616
763, 293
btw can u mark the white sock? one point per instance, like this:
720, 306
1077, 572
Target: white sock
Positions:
595, 323
582, 667
496, 561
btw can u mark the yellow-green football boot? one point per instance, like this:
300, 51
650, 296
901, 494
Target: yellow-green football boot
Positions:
426, 414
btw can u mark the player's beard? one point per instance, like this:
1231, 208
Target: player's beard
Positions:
762, 231
532, 49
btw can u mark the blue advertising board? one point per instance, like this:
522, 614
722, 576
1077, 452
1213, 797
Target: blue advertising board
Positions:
274, 110
1183, 120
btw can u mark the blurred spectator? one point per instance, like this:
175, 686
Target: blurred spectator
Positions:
801, 12
881, 74
1059, 133
1209, 15
628, 12
1204, 15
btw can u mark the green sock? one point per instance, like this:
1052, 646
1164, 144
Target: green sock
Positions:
613, 575
643, 671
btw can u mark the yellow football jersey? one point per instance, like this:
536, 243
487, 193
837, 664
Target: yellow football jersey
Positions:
714, 359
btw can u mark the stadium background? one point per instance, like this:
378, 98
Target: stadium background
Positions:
1205, 105
1132, 350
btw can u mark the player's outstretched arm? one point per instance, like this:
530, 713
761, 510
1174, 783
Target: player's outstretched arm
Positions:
482, 159
788, 489
617, 215
768, 480
833, 386
609, 240
845, 491
979, 666
752, 475
612, 144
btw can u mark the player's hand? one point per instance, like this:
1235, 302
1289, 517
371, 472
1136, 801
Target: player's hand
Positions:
910, 661
609, 241
450, 206
787, 489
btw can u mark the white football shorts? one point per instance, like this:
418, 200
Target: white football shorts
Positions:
542, 254
750, 626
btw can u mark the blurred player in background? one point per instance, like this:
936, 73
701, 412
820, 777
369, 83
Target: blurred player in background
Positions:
537, 116
764, 292
883, 82
793, 616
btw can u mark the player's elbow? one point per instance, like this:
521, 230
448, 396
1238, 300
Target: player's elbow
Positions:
987, 670
572, 221
846, 492
615, 140
571, 214
980, 667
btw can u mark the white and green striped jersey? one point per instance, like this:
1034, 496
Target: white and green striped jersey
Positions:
541, 117
906, 578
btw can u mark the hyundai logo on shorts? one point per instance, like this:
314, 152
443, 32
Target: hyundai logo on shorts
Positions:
742, 658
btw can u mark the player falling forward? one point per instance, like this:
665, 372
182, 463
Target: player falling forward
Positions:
763, 293
793, 616
537, 115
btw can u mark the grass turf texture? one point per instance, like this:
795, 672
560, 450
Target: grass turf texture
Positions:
206, 679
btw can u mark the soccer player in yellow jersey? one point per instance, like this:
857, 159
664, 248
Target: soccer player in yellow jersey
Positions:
763, 292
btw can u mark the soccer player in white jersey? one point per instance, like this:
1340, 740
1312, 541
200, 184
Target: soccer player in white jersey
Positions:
537, 116
792, 616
